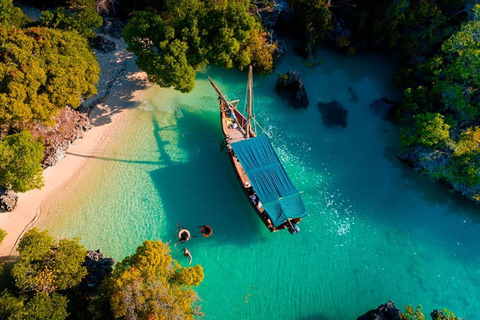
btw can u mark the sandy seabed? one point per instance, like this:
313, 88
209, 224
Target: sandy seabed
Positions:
106, 117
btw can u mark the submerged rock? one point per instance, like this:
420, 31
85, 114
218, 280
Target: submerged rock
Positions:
333, 113
290, 88
385, 311
383, 108
8, 199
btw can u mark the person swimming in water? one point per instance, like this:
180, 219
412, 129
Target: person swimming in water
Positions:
206, 231
187, 253
183, 234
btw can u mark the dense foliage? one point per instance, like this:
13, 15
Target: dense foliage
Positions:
20, 156
48, 284
173, 43
46, 268
79, 15
440, 114
42, 70
151, 285
47, 265
314, 17
10, 15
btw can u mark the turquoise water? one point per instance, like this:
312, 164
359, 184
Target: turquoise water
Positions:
377, 231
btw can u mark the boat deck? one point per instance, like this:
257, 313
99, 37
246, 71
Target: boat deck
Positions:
234, 133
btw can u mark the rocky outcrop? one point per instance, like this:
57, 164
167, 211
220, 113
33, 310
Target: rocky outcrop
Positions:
70, 125
98, 267
441, 315
333, 113
101, 43
269, 12
290, 88
8, 200
113, 28
385, 311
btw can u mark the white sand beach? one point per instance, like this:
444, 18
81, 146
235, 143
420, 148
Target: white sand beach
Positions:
105, 118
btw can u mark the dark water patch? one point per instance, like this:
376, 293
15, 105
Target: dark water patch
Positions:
333, 113
353, 95
383, 108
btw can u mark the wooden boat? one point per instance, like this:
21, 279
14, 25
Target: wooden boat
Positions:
259, 171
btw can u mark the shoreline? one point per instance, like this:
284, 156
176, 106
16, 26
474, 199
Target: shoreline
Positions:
105, 117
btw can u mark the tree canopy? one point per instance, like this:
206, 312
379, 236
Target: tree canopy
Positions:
173, 43
150, 285
42, 70
46, 265
79, 15
20, 158
10, 15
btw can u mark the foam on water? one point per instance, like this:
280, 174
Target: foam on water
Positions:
377, 231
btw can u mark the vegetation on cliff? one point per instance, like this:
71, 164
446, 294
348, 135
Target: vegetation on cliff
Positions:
20, 168
173, 40
74, 15
42, 70
149, 284
49, 272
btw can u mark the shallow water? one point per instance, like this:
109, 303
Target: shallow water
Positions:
377, 231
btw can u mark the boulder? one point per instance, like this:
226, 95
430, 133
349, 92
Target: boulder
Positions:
103, 44
8, 199
269, 12
98, 267
290, 88
333, 113
113, 27
385, 311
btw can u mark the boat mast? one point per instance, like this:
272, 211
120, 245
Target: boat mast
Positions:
250, 83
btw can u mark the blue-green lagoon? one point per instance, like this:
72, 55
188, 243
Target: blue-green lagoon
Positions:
377, 230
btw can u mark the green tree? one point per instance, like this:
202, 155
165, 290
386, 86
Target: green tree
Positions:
44, 306
315, 18
151, 285
11, 307
413, 313
42, 70
46, 265
20, 157
80, 16
10, 15
429, 130
41, 306
172, 44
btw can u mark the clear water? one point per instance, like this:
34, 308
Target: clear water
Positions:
377, 231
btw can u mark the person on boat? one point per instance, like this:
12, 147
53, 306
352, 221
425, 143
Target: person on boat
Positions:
206, 231
187, 253
183, 234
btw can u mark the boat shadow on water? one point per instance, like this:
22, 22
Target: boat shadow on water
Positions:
201, 190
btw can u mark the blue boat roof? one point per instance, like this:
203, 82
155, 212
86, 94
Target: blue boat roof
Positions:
274, 189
